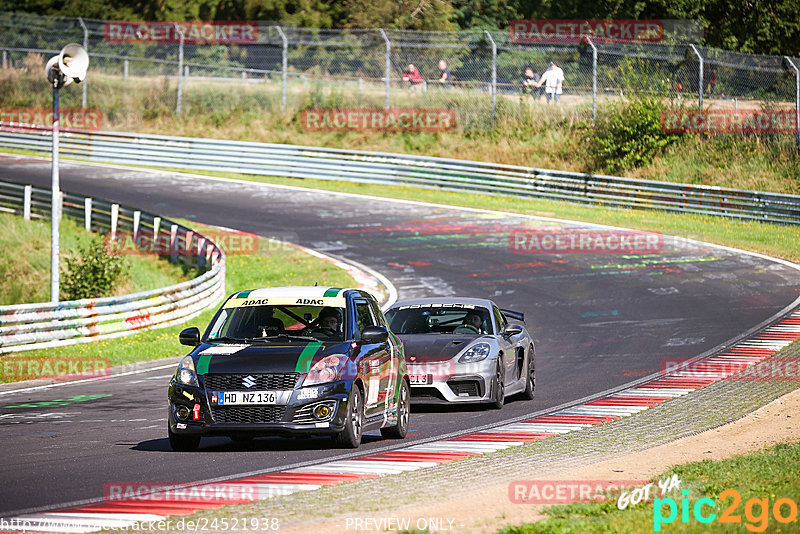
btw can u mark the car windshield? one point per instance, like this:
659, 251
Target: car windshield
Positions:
278, 323
460, 319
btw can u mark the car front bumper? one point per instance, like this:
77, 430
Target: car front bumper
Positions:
451, 383
294, 418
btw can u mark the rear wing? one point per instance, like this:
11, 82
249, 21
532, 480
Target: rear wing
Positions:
518, 316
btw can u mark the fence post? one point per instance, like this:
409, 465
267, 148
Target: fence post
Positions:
5, 59
700, 76
125, 69
187, 242
180, 69
137, 217
594, 78
186, 71
201, 246
87, 214
86, 47
156, 228
26, 203
794, 66
173, 243
494, 73
114, 220
388, 72
284, 66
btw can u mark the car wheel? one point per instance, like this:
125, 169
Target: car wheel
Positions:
350, 436
183, 442
530, 384
498, 387
400, 429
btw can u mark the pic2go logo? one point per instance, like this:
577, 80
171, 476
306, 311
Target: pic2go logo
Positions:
756, 511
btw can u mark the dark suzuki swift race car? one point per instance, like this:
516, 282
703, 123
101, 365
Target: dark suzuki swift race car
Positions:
291, 361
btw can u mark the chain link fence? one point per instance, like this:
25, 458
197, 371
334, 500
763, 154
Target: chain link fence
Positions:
286, 68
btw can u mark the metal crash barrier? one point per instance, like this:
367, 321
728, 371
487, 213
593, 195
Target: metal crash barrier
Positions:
43, 325
420, 171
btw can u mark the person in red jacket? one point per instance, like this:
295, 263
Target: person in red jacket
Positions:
412, 75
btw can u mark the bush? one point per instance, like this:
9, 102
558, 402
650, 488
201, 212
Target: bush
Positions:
92, 272
628, 134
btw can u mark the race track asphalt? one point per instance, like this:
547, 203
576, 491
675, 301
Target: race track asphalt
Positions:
599, 321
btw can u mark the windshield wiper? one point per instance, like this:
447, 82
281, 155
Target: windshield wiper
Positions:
290, 337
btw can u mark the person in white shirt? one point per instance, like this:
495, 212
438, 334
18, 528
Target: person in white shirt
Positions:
553, 80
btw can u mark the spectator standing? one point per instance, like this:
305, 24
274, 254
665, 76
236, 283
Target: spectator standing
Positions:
445, 78
529, 82
553, 81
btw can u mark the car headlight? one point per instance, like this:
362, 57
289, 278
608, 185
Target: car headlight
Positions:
328, 369
476, 353
186, 373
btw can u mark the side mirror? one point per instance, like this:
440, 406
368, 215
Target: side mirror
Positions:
512, 330
374, 334
190, 336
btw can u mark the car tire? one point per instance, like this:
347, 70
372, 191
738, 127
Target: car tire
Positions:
498, 387
530, 382
350, 436
400, 429
183, 442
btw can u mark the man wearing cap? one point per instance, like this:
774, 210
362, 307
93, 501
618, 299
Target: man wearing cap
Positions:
553, 80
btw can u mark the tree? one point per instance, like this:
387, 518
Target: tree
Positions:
432, 15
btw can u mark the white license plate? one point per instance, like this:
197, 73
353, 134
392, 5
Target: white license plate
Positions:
421, 379
233, 398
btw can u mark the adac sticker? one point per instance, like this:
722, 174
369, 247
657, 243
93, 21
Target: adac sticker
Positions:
335, 302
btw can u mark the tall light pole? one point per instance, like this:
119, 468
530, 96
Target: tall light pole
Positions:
68, 66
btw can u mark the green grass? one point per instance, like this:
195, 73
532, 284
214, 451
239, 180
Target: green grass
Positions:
274, 265
771, 474
25, 261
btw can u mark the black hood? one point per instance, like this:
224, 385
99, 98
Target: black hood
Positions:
434, 347
265, 358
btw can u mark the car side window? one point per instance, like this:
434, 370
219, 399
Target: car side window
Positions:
380, 320
500, 319
363, 315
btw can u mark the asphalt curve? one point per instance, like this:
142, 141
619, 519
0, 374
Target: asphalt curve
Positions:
599, 321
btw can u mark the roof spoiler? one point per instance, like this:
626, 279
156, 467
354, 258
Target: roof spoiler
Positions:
519, 316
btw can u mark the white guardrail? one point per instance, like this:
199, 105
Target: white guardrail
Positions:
43, 325
420, 171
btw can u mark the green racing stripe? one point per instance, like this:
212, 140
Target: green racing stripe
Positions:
202, 364
304, 361
331, 291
